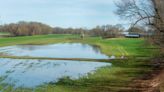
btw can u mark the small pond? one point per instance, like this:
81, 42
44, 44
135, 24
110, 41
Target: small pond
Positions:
33, 73
61, 50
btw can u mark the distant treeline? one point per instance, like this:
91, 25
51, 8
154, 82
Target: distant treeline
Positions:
36, 28
26, 28
104, 31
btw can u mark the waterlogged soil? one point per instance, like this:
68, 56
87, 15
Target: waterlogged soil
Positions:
32, 73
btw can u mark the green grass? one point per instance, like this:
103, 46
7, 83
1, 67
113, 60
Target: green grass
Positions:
3, 34
39, 39
122, 46
117, 46
108, 79
105, 79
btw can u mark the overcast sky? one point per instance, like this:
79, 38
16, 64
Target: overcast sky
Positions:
63, 13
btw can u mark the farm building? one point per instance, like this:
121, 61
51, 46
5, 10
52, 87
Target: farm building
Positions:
132, 36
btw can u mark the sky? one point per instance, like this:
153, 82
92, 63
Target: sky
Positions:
60, 13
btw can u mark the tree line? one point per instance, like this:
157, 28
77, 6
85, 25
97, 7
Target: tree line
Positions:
35, 28
102, 31
26, 28
149, 13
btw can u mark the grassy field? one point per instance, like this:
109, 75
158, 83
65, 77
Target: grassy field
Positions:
4, 34
115, 46
105, 79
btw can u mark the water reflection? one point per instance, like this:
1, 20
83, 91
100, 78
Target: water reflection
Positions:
62, 50
32, 73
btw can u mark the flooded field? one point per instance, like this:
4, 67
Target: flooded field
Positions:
33, 73
29, 73
61, 50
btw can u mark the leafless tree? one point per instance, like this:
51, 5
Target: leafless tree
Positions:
26, 28
137, 30
147, 12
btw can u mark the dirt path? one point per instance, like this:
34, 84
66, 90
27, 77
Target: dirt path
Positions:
153, 82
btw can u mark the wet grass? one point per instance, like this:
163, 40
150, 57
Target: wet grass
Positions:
71, 59
116, 46
122, 46
105, 79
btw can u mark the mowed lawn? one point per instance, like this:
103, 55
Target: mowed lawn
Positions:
106, 79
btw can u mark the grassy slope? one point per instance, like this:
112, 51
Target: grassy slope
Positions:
121, 46
106, 79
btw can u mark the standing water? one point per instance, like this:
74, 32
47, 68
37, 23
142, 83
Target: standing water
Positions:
33, 73
63, 50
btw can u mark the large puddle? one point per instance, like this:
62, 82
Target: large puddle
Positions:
32, 73
62, 50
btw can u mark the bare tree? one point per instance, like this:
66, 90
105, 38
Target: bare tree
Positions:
26, 28
137, 30
147, 12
